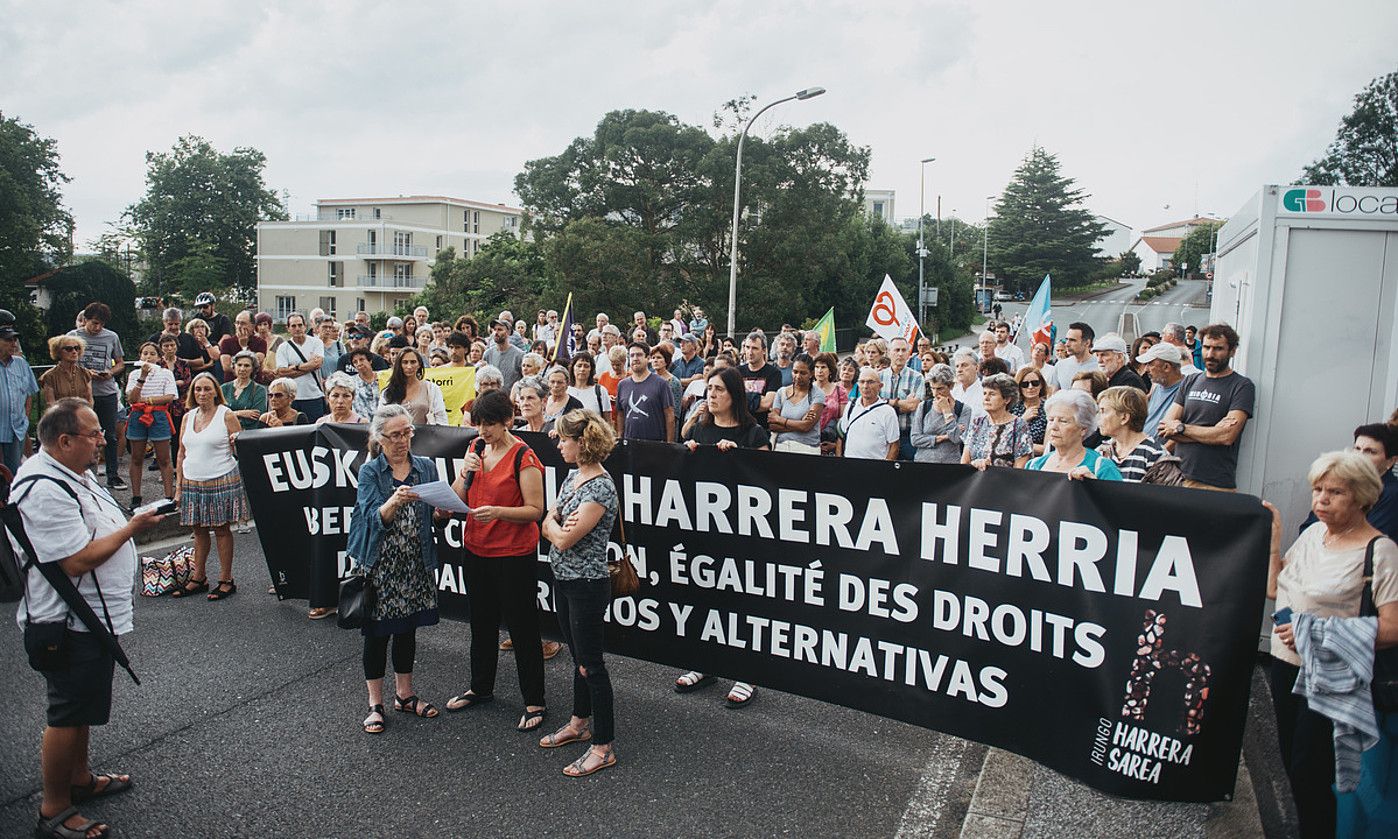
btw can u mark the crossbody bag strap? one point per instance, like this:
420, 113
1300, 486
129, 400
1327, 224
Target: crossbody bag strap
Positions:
1366, 597
10, 515
302, 356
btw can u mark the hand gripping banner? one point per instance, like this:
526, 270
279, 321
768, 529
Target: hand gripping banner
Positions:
1106, 630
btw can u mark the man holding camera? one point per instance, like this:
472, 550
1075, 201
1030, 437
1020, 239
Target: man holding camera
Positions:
71, 521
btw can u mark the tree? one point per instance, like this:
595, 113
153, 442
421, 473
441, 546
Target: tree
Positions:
75, 286
1365, 149
1040, 228
1199, 241
200, 212
506, 270
35, 229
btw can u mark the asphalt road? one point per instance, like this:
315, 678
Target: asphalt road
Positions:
247, 724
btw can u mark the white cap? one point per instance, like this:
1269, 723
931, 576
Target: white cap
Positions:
1111, 342
1162, 352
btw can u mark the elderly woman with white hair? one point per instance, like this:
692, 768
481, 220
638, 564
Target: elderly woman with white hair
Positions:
280, 411
340, 390
488, 378
1323, 575
940, 422
1072, 417
391, 540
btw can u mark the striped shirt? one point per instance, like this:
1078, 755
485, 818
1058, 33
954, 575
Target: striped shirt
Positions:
1134, 465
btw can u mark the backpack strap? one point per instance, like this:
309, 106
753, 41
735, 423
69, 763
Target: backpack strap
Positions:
1366, 597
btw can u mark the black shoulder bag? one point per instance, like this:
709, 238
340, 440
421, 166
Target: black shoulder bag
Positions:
1385, 683
46, 643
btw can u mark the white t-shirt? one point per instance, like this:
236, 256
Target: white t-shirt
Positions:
869, 430
159, 382
307, 384
1064, 369
972, 397
1011, 355
695, 391
593, 398
58, 528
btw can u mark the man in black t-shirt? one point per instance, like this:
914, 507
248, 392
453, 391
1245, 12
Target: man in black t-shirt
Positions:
761, 379
1210, 411
1110, 351
187, 348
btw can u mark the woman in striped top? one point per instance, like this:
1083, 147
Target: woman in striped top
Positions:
1121, 419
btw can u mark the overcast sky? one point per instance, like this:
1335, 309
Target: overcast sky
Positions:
1188, 104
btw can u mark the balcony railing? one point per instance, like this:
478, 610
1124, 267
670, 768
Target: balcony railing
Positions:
417, 251
389, 282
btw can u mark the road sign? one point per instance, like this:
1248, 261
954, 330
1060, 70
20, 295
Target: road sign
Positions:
929, 296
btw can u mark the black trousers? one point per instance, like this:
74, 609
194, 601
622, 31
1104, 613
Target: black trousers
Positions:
505, 586
106, 410
376, 654
582, 607
1307, 742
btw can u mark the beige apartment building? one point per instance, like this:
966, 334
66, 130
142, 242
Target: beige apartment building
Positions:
367, 254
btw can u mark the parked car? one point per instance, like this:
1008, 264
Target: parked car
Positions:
1003, 296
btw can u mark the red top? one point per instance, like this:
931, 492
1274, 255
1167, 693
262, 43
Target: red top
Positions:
499, 486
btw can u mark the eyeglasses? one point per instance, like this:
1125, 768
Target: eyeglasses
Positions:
95, 434
276, 394
399, 436
1028, 383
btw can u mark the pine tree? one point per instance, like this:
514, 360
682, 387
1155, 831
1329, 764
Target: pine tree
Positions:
1041, 228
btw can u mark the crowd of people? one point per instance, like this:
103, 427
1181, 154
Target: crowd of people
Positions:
1166, 409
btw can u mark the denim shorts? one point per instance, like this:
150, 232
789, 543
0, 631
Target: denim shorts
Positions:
156, 432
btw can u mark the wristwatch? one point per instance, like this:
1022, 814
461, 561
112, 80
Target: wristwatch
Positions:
1179, 426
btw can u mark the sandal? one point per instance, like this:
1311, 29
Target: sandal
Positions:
371, 725
320, 612
578, 768
415, 706
469, 699
550, 649
564, 736
90, 790
692, 681
54, 827
192, 587
507, 645
741, 695
225, 588
531, 719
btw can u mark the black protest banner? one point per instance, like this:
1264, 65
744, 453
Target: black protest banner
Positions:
1105, 630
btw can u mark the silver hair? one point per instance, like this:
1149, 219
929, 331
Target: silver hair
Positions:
1084, 407
489, 373
172, 312
241, 354
382, 416
758, 337
340, 379
283, 383
941, 374
987, 334
1173, 331
533, 383
536, 358
964, 353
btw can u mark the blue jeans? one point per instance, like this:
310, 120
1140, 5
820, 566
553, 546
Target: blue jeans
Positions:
581, 605
12, 453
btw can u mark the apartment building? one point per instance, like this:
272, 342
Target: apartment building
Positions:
367, 254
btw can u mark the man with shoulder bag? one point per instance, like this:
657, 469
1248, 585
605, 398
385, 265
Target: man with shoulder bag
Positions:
75, 546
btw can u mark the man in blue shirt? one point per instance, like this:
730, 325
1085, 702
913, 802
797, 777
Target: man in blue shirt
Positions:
17, 389
687, 364
1163, 362
1379, 443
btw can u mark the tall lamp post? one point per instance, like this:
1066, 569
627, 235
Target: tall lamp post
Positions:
985, 240
921, 248
808, 93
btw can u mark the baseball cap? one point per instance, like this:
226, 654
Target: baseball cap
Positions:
359, 330
1162, 352
1111, 342
7, 324
690, 338
395, 322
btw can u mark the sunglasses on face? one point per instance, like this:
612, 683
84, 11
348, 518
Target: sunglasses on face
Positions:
1028, 383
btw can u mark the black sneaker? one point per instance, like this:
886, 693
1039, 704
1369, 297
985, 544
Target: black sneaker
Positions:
116, 482
135, 502
153, 467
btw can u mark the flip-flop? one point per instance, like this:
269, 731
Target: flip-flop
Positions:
89, 790
530, 717
462, 701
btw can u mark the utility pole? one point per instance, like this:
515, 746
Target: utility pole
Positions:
921, 246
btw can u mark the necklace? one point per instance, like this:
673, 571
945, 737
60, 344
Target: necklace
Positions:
1325, 540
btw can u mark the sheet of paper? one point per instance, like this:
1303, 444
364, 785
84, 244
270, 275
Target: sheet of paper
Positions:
440, 494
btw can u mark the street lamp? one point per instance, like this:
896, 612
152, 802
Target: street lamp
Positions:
808, 93
985, 240
921, 250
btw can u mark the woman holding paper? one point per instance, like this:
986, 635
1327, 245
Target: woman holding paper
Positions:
502, 481
391, 539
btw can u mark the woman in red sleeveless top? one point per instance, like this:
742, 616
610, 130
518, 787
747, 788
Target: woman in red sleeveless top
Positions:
501, 537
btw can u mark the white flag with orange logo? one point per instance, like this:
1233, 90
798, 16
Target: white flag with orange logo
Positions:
890, 316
